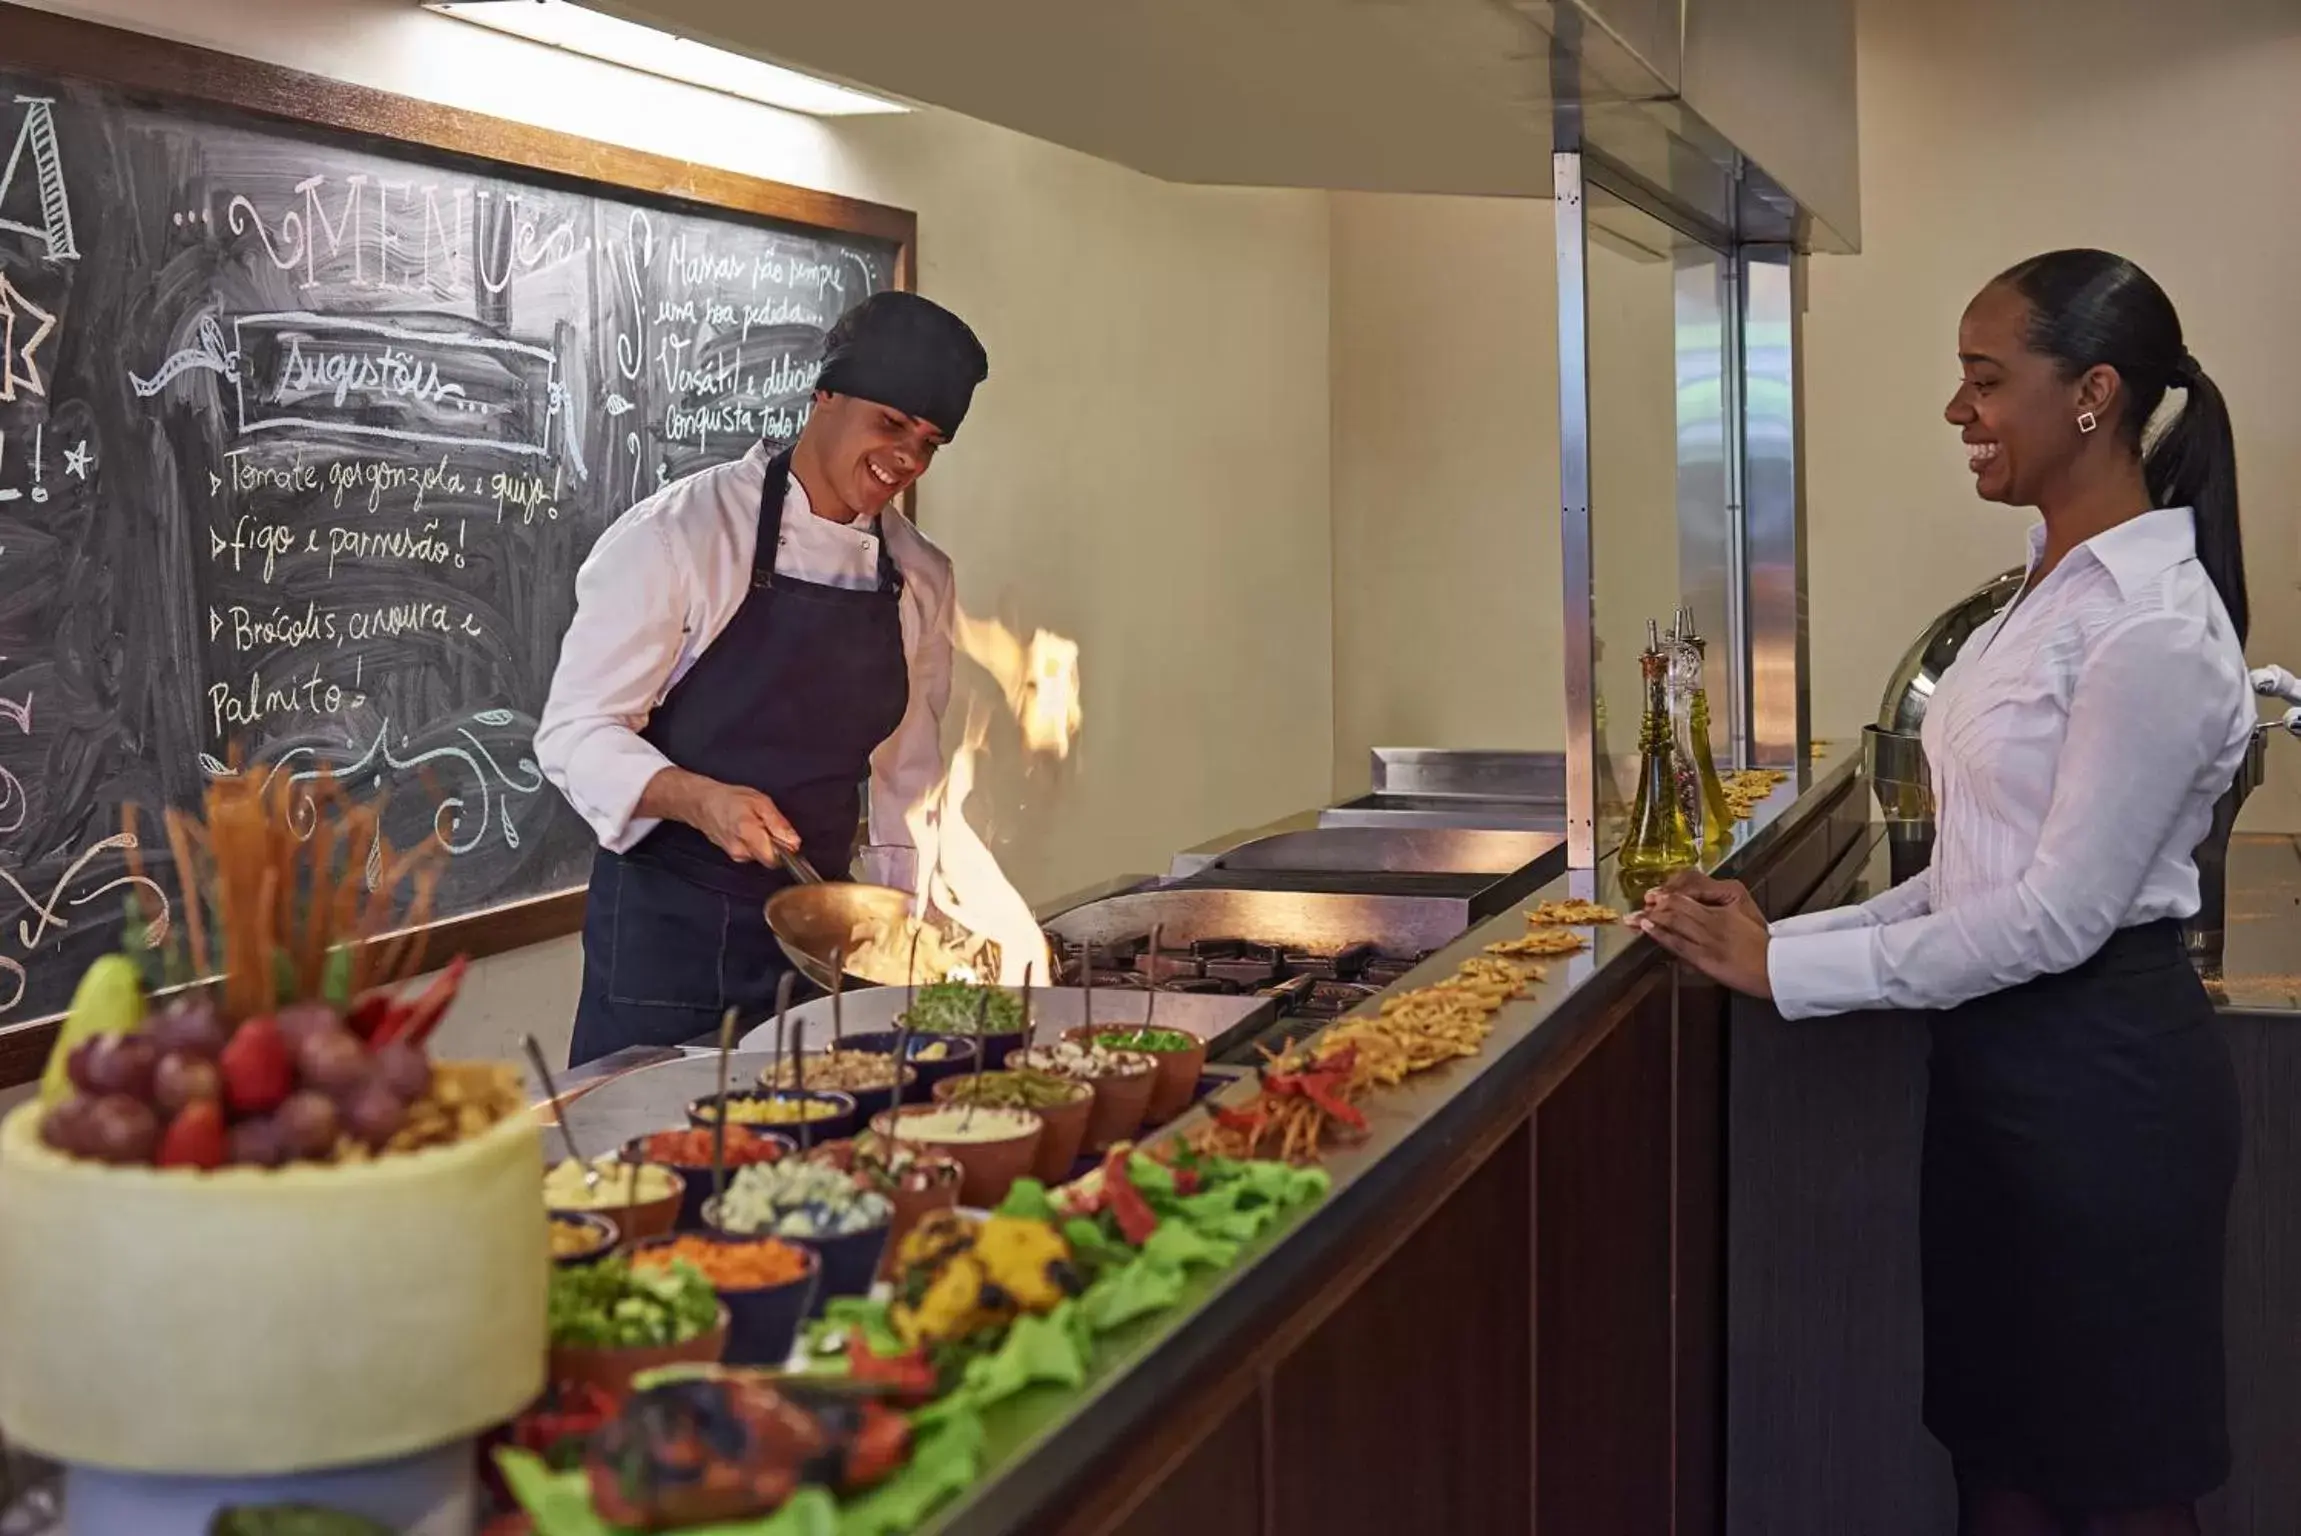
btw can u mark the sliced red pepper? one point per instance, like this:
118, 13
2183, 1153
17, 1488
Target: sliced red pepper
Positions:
368, 1013
414, 1021
1137, 1221
1186, 1181
1230, 1120
911, 1376
1322, 1094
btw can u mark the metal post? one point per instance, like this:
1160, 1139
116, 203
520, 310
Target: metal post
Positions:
1572, 229
1780, 724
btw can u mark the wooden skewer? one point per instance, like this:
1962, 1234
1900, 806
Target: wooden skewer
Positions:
982, 1055
188, 881
1150, 997
797, 1048
719, 1121
839, 986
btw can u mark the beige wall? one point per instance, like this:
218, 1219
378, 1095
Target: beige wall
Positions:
1146, 470
1990, 132
1446, 580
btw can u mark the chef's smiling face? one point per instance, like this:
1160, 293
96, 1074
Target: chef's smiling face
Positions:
868, 453
2015, 412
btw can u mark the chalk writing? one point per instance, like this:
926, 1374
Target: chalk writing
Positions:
369, 367
390, 373
378, 477
420, 546
255, 701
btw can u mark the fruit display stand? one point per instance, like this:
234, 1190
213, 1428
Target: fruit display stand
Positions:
261, 1322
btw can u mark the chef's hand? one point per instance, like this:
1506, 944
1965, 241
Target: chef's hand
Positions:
1721, 940
743, 823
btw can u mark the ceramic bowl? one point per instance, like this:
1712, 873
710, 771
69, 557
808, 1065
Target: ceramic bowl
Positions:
1064, 1125
990, 1166
843, 1120
762, 1321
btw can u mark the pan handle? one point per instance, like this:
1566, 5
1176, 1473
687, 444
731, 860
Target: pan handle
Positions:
796, 864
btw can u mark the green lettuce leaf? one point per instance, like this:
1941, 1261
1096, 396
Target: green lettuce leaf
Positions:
1028, 1200
1122, 1295
1178, 1245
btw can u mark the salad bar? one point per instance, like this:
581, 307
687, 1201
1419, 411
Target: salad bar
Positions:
988, 1260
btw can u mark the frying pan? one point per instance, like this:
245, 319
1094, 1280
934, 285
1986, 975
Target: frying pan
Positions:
816, 918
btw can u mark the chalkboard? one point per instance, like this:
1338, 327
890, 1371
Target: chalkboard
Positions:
312, 400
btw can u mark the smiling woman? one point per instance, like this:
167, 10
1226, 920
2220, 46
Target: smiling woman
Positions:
2081, 1121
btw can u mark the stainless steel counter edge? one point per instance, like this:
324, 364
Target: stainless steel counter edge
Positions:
1044, 1443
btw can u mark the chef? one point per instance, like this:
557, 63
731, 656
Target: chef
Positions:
750, 645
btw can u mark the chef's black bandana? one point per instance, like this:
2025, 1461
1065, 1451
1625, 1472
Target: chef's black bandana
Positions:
908, 353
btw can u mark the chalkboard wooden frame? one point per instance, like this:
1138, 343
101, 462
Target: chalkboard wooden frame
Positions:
111, 56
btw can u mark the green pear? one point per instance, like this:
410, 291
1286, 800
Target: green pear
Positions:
108, 1001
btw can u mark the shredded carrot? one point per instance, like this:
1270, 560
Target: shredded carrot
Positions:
730, 1266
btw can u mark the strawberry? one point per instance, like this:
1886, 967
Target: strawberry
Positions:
195, 1138
257, 1072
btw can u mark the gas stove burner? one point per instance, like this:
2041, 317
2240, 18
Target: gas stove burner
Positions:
1304, 984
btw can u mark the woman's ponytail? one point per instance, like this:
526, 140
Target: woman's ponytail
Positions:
2193, 463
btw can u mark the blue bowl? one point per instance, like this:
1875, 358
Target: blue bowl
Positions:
844, 1120
869, 1101
698, 1175
763, 1321
959, 1056
995, 1048
602, 1231
850, 1263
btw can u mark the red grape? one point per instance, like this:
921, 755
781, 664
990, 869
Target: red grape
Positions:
402, 1067
122, 1129
256, 1143
122, 1064
190, 1025
331, 1060
76, 1064
69, 1126
308, 1124
298, 1020
183, 1077
374, 1114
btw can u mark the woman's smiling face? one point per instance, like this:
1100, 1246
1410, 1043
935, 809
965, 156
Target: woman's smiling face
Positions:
2013, 409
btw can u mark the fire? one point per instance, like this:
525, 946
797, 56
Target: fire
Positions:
1041, 680
958, 876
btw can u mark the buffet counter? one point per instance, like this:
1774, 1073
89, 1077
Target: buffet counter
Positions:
1525, 1252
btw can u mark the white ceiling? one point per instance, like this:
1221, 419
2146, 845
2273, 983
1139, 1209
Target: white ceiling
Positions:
1383, 95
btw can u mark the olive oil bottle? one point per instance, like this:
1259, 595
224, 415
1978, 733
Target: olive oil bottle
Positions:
1658, 839
1716, 825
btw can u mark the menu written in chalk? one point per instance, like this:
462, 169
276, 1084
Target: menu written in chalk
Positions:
303, 435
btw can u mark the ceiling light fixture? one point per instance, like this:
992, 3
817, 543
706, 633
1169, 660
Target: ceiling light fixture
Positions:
595, 34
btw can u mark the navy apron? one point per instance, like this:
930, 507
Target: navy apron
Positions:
2081, 1138
791, 699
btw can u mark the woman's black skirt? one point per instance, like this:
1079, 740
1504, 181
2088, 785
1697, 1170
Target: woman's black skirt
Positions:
2081, 1137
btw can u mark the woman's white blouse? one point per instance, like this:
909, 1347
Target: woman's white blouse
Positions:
2078, 745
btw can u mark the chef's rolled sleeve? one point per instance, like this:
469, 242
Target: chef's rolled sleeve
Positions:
631, 603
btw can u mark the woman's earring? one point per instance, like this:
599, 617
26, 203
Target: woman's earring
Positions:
2087, 421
